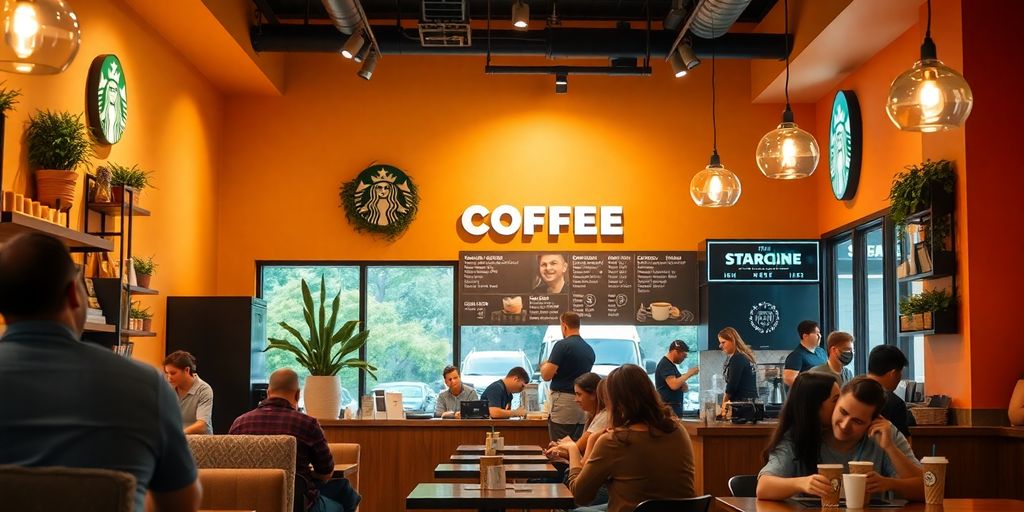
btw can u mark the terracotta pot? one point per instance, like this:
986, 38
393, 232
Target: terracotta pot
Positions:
147, 324
323, 396
56, 189
906, 322
117, 193
143, 279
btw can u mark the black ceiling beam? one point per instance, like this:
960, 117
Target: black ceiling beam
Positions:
554, 43
267, 11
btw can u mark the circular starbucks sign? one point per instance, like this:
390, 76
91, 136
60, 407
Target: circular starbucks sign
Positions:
844, 145
107, 99
382, 199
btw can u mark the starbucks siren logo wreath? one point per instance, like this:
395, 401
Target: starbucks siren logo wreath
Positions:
382, 199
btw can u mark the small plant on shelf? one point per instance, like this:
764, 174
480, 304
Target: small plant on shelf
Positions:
916, 311
139, 319
144, 268
912, 191
57, 145
123, 176
8, 98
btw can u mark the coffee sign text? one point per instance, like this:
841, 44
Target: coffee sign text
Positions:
507, 220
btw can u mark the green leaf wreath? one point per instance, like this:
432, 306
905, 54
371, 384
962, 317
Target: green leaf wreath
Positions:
378, 183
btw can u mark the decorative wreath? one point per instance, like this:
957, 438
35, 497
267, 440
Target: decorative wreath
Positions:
381, 200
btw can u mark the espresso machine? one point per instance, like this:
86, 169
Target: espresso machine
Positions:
772, 389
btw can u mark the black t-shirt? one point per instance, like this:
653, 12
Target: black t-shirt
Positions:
895, 411
740, 382
497, 395
574, 357
672, 397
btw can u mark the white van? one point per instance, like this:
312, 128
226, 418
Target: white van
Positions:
614, 346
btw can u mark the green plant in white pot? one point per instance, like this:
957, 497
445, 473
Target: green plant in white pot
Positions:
57, 146
324, 352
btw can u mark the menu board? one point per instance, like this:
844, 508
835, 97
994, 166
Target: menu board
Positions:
609, 288
763, 261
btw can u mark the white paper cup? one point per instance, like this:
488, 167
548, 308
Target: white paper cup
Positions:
854, 486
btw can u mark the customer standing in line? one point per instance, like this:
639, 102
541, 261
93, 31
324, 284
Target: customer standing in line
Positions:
570, 357
805, 356
740, 377
195, 396
840, 354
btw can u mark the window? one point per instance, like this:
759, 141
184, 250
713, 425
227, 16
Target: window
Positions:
842, 283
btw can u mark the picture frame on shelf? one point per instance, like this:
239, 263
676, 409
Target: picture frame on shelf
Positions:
924, 257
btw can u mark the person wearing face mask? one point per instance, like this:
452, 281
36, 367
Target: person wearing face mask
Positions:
840, 354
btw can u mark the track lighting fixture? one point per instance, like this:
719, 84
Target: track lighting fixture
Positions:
520, 15
366, 70
678, 67
688, 56
352, 45
361, 56
561, 83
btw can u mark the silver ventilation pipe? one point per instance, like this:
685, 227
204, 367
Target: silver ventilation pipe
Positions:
712, 18
344, 14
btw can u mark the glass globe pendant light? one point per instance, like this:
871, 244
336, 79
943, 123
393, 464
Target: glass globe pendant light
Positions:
715, 186
787, 152
40, 36
930, 96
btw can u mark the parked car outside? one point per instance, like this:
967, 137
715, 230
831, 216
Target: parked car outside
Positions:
482, 367
416, 396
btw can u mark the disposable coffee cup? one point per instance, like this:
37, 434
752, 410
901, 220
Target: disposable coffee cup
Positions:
834, 474
861, 467
854, 487
934, 479
496, 478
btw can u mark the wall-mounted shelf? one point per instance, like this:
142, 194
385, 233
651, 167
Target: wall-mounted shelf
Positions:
138, 290
16, 223
129, 333
114, 209
93, 327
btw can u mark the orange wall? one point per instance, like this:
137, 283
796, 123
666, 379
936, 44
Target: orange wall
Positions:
468, 138
174, 123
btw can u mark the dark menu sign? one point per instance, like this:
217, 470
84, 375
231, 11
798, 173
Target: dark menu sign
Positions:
611, 288
763, 261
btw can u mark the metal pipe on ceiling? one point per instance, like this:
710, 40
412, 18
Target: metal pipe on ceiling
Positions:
344, 14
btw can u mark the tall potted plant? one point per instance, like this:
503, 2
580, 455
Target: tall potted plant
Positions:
324, 352
57, 146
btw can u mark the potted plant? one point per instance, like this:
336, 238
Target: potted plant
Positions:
133, 177
323, 351
57, 146
139, 319
915, 188
8, 97
144, 268
917, 312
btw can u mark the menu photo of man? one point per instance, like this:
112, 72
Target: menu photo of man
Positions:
552, 274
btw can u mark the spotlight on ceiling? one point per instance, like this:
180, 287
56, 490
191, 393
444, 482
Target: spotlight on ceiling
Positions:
678, 67
561, 83
352, 45
366, 70
521, 15
361, 56
688, 56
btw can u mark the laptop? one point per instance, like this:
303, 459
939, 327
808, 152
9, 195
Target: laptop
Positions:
474, 410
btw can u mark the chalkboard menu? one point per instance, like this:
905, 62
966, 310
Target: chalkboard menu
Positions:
609, 288
763, 261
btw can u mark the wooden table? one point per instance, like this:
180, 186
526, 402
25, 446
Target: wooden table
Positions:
520, 449
511, 471
457, 496
514, 458
949, 505
344, 470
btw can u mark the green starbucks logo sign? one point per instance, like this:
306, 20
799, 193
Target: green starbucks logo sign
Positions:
382, 200
108, 99
844, 145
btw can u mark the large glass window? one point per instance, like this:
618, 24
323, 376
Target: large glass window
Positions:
874, 287
842, 285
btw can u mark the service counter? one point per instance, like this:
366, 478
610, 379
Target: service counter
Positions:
985, 462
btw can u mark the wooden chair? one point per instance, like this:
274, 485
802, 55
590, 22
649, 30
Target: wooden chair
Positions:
40, 489
743, 486
698, 504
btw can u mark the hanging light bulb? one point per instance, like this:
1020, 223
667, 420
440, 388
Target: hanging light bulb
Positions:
520, 15
930, 96
787, 152
40, 36
715, 186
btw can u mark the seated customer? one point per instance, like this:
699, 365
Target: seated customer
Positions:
449, 400
590, 396
885, 365
645, 455
499, 394
815, 428
195, 396
840, 354
314, 463
1016, 411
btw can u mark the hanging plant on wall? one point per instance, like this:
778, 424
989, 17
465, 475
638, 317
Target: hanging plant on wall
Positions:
381, 200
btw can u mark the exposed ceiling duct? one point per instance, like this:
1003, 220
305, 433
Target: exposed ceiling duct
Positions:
344, 14
712, 18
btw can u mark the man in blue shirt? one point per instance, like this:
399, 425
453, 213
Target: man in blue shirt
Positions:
671, 385
499, 394
570, 357
75, 404
807, 355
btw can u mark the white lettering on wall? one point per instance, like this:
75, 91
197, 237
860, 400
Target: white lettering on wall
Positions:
585, 220
611, 220
498, 220
472, 211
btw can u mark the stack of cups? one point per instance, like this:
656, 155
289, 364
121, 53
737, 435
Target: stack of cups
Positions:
834, 474
492, 473
858, 467
934, 479
499, 441
489, 444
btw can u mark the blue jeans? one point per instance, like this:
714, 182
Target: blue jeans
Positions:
595, 508
336, 495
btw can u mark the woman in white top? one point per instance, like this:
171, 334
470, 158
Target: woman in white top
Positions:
587, 388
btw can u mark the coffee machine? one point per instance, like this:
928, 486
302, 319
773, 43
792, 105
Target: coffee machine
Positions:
773, 392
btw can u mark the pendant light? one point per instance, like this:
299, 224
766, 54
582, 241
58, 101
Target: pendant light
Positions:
41, 37
787, 152
715, 186
930, 96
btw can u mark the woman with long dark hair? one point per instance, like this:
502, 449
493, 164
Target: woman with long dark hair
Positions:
740, 378
643, 429
589, 390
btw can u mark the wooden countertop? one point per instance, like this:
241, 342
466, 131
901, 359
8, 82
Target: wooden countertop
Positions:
967, 431
437, 423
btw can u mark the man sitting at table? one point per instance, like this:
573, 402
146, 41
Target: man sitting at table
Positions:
314, 463
499, 394
856, 432
449, 400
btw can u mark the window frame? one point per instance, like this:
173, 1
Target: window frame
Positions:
363, 266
